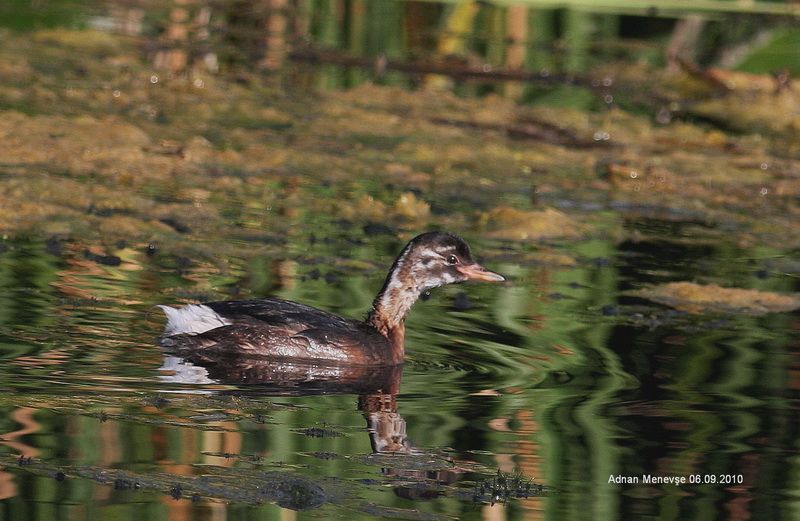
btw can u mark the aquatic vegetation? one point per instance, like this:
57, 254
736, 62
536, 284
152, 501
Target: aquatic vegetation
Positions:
132, 174
710, 298
519, 225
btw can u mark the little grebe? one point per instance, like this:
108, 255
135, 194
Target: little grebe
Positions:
275, 328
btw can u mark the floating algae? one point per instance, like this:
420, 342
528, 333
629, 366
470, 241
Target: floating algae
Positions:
699, 298
519, 225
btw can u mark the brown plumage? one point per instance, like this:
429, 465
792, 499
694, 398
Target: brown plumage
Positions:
282, 329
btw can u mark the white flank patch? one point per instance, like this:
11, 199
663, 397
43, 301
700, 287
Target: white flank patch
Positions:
193, 319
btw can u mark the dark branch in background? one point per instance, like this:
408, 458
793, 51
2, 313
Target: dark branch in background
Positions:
454, 68
530, 128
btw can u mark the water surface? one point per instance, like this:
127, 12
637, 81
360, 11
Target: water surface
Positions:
560, 394
539, 377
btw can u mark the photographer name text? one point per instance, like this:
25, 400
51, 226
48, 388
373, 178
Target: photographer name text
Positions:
691, 479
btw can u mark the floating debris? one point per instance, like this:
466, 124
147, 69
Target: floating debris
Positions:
316, 432
286, 489
503, 487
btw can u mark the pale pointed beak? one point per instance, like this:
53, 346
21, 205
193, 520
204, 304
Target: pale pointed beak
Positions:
478, 272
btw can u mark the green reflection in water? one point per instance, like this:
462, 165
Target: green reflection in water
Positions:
527, 366
538, 345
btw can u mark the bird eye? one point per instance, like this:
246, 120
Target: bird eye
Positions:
452, 259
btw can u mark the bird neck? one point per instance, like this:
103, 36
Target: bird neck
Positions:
392, 304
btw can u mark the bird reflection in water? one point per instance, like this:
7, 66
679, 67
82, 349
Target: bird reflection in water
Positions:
376, 387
